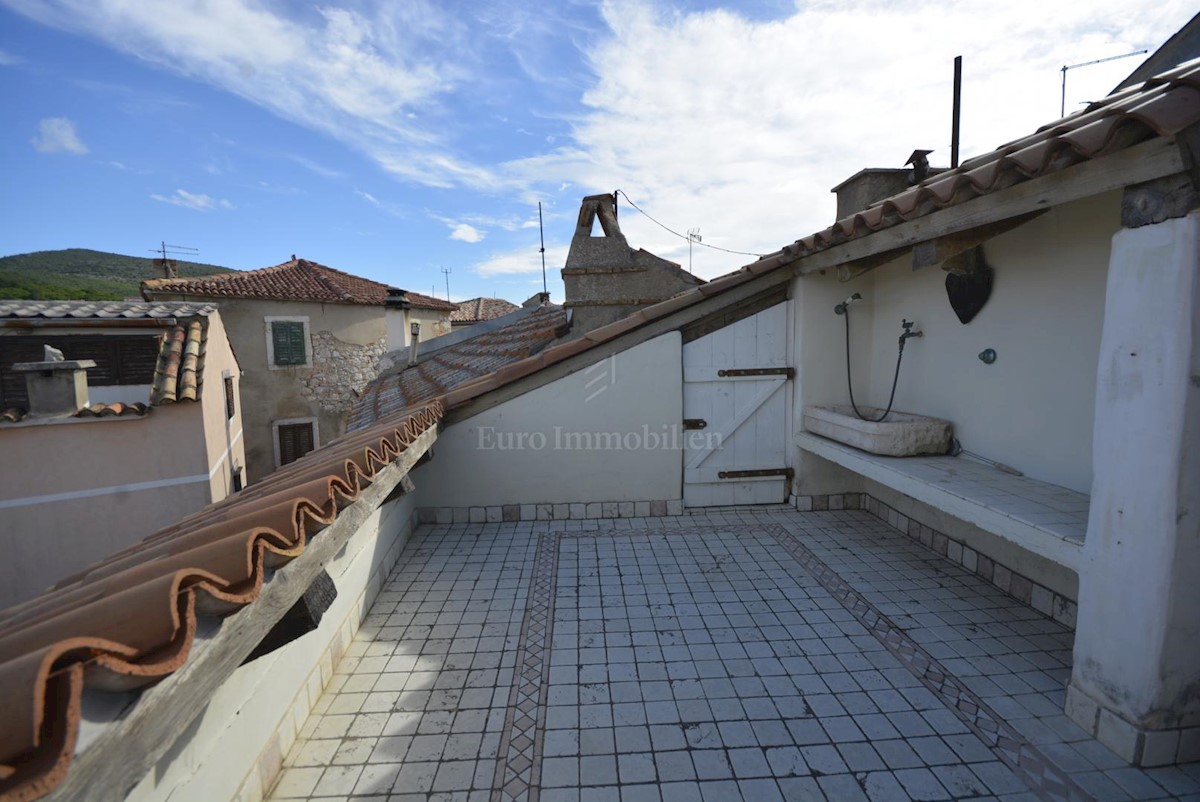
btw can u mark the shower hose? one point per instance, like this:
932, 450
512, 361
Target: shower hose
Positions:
850, 383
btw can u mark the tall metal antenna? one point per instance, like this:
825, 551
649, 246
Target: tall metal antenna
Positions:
447, 271
542, 250
693, 235
1062, 112
165, 263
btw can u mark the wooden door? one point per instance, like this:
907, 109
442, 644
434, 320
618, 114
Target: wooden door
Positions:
736, 395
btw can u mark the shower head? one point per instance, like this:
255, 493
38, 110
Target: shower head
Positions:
841, 308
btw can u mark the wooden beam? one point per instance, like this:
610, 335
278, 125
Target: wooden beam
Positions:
1145, 161
1155, 201
121, 754
943, 250
852, 270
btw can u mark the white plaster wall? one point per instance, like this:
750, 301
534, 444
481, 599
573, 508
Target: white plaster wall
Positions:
643, 387
1033, 408
1137, 649
215, 754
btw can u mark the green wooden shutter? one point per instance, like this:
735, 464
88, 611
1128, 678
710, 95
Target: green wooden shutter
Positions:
287, 337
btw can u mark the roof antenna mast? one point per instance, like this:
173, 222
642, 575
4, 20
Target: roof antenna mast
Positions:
1062, 112
542, 250
168, 265
446, 272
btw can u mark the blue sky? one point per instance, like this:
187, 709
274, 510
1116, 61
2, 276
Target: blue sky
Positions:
391, 139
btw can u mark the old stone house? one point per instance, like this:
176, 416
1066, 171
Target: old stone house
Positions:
308, 338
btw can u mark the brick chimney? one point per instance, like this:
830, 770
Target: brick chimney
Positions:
57, 387
607, 280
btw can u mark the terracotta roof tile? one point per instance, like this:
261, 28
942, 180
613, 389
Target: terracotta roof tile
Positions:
1163, 106
131, 619
294, 280
179, 372
455, 366
478, 309
102, 310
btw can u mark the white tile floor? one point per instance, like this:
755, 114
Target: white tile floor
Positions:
756, 654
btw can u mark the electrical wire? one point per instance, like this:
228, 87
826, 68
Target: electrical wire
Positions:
667, 228
850, 384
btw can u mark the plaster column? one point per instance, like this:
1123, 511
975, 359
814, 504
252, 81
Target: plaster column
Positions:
1136, 677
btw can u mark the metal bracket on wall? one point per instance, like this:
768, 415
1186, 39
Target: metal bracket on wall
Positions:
731, 372
787, 472
694, 423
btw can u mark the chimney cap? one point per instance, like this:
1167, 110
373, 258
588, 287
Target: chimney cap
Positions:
58, 364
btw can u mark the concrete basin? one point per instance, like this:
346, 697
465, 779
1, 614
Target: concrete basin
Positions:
900, 435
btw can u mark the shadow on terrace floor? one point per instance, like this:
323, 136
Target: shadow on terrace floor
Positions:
757, 654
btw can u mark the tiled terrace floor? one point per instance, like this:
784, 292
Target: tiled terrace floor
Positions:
757, 654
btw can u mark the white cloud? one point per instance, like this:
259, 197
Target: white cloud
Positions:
466, 233
193, 200
740, 128
367, 196
359, 75
8, 59
58, 135
521, 261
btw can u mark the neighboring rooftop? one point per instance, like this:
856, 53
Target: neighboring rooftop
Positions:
295, 280
179, 365
100, 310
470, 360
477, 309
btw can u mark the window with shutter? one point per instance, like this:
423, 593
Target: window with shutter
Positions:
287, 338
295, 440
229, 405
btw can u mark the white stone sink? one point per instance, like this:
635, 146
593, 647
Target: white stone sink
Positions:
900, 435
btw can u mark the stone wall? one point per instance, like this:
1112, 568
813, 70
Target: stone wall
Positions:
340, 371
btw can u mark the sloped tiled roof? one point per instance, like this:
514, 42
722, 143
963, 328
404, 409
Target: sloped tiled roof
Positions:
179, 369
131, 620
179, 372
102, 310
294, 280
478, 309
451, 367
1162, 106
116, 410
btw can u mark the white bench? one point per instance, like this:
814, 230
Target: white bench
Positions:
1045, 519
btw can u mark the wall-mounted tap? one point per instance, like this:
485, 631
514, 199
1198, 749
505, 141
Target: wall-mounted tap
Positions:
841, 308
908, 332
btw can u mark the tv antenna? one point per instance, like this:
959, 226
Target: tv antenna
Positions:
542, 250
1063, 108
693, 235
166, 264
446, 272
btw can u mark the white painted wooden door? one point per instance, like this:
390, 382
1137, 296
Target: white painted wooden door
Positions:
745, 416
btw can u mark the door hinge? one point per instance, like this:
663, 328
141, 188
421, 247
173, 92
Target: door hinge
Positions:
728, 372
694, 423
787, 472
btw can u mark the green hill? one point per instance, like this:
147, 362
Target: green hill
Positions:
80, 274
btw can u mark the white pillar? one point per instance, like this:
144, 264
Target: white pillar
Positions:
1136, 677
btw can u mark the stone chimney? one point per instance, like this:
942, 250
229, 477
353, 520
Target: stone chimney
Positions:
607, 280
57, 387
876, 183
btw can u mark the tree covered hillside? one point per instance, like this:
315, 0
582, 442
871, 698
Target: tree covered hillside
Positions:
81, 274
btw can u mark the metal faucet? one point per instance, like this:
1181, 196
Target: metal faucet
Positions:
908, 332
